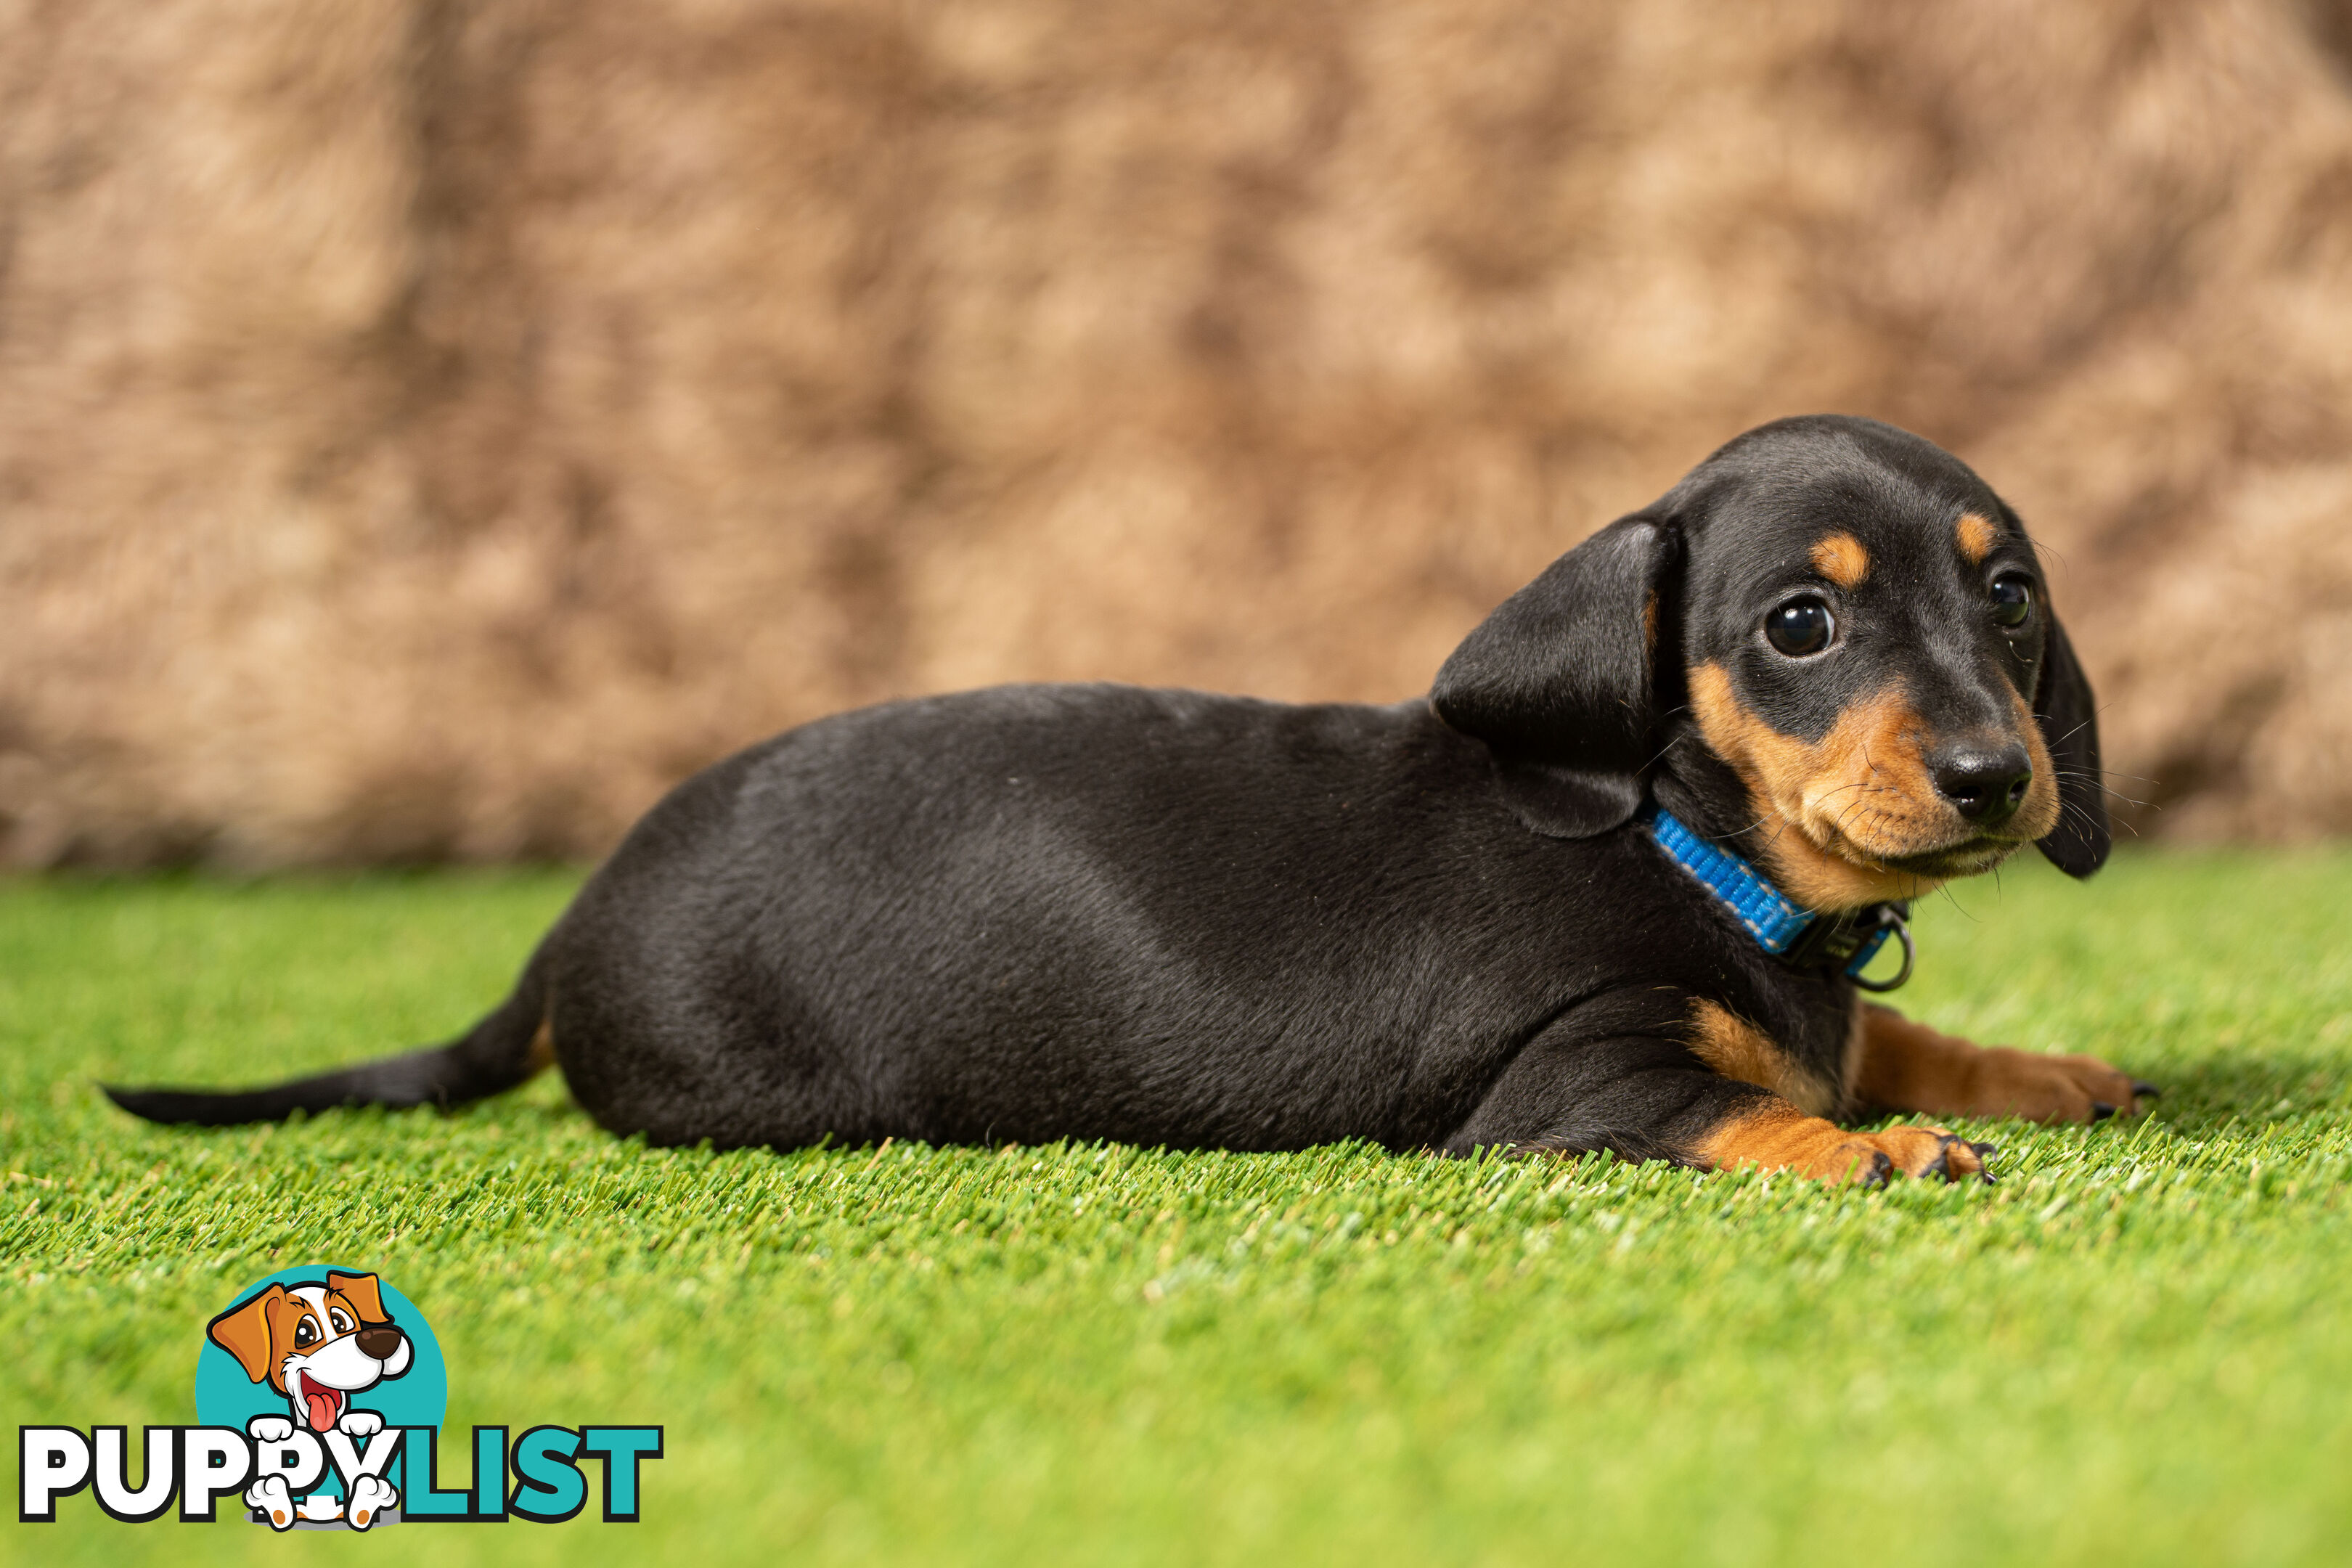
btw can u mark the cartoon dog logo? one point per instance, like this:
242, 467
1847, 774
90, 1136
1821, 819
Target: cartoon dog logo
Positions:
318, 1345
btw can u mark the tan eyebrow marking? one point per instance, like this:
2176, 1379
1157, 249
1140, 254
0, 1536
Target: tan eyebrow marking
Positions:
1975, 536
1841, 558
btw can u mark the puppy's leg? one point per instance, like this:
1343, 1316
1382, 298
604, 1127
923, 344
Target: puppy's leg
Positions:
1903, 1065
370, 1496
1652, 1097
270, 1496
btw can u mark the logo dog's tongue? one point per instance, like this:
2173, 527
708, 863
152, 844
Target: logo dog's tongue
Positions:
322, 1402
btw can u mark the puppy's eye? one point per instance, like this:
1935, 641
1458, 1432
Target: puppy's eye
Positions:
340, 1320
1800, 626
2012, 601
305, 1333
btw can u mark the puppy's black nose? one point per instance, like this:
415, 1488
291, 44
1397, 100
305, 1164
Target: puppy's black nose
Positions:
1985, 785
379, 1341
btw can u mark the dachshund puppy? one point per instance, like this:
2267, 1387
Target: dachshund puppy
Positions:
1608, 887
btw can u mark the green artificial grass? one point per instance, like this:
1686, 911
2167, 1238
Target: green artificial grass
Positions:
2138, 1346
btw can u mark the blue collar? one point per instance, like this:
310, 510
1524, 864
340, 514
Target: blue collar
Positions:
1790, 932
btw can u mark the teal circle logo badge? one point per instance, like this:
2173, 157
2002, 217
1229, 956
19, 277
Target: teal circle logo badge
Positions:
319, 1393
322, 1367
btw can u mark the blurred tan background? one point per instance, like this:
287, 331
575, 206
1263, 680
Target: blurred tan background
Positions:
428, 429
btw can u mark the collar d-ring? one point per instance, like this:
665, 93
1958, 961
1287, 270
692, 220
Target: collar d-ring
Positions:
1893, 916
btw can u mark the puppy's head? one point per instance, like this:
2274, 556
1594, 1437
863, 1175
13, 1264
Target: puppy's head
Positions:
1831, 642
317, 1343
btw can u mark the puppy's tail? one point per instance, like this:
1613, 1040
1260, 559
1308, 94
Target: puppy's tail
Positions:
496, 1054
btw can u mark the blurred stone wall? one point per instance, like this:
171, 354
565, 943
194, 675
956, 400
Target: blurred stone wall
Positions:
429, 429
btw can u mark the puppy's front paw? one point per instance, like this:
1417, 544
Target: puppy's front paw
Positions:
1777, 1136
360, 1423
1869, 1158
370, 1495
2011, 1082
270, 1496
269, 1428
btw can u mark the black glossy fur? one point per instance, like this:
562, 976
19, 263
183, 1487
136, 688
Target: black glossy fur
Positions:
1169, 918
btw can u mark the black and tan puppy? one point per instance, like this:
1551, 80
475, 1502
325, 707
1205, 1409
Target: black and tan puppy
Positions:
1165, 918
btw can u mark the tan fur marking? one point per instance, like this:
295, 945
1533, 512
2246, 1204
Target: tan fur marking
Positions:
1738, 1050
541, 1054
2037, 814
362, 1294
1841, 558
1650, 625
1859, 796
284, 1312
1910, 1067
245, 1333
1977, 537
1777, 1136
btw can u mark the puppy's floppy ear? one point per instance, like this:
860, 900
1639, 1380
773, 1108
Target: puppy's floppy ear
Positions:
243, 1331
1558, 680
360, 1290
2062, 705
